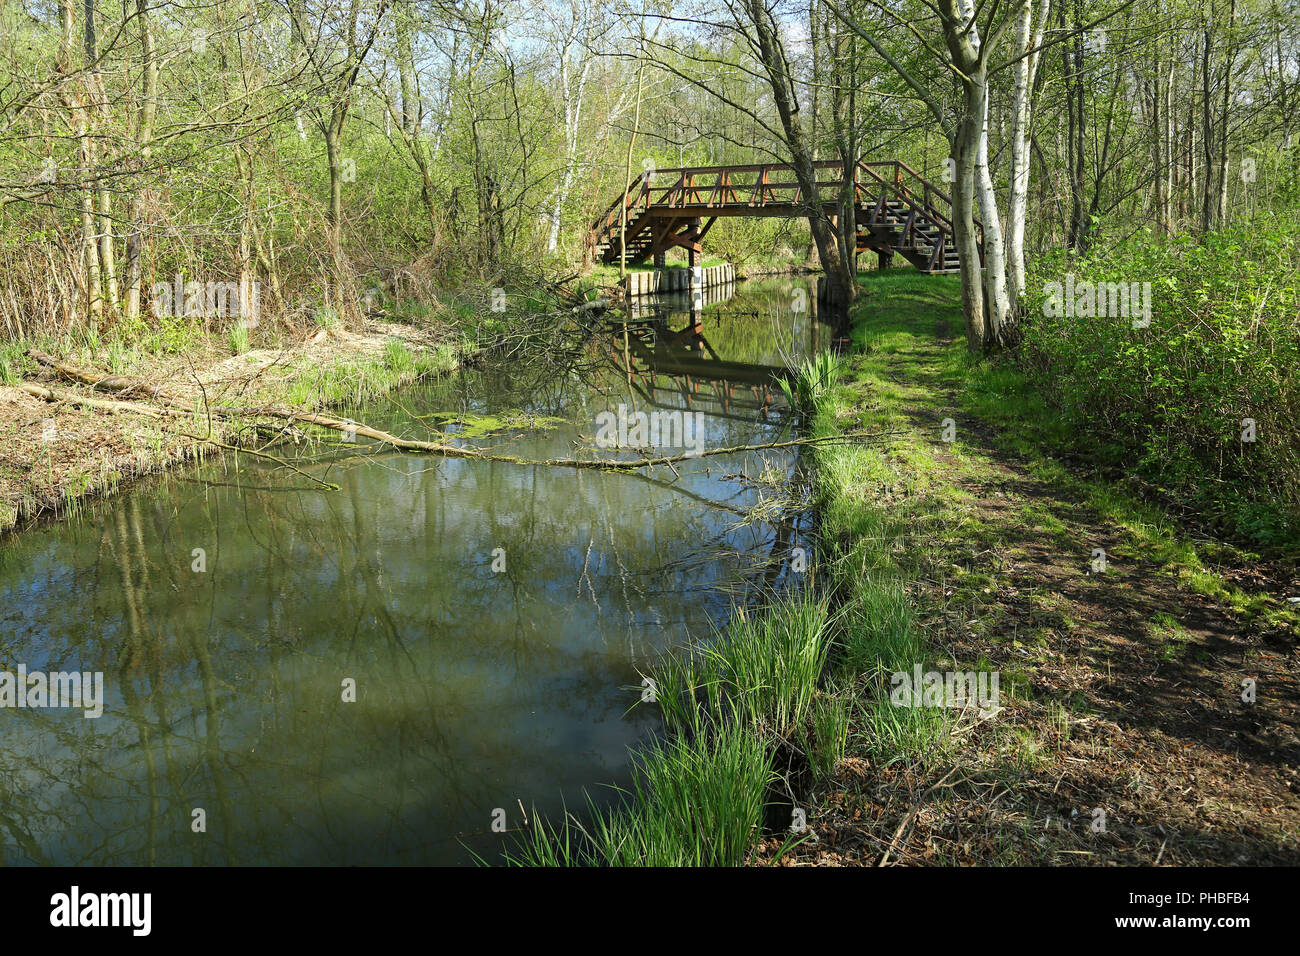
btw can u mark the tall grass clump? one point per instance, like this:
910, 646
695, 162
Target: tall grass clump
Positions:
826, 736
768, 664
238, 338
436, 361
696, 801
398, 358
327, 317
804, 388
11, 363
699, 802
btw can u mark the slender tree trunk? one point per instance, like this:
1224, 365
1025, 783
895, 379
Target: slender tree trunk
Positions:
841, 287
1208, 205
247, 275
1221, 211
334, 216
964, 154
143, 144
997, 302
1173, 158
572, 120
1072, 56
403, 16
74, 100
627, 179
1029, 35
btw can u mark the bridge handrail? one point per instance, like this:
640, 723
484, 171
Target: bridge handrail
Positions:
602, 221
908, 195
746, 168
638, 194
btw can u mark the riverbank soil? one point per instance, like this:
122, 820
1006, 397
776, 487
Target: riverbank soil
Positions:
1123, 737
57, 454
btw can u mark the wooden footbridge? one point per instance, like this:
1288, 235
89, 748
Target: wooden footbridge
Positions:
896, 210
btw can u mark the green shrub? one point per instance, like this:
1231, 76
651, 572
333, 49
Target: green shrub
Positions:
1171, 400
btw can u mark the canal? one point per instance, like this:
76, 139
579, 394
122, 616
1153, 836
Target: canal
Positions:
378, 674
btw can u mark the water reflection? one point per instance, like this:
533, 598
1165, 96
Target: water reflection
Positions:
476, 688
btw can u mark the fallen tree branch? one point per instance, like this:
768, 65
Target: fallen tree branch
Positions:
107, 405
353, 429
118, 384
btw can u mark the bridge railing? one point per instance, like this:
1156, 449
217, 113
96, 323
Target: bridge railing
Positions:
774, 184
756, 185
912, 189
634, 199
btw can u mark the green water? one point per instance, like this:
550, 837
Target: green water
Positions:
495, 620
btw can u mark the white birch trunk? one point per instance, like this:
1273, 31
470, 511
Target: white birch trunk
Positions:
572, 121
1029, 35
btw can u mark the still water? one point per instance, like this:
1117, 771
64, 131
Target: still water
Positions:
491, 620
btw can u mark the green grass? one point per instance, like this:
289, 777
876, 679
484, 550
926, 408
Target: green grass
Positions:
898, 314
398, 359
695, 801
794, 673
768, 664
355, 381
238, 336
11, 363
699, 794
816, 376
327, 317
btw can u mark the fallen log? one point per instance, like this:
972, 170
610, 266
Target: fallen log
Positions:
118, 384
352, 429
107, 405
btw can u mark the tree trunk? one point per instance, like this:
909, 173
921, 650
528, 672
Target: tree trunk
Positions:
1075, 152
143, 145
1018, 180
997, 302
965, 150
841, 287
1208, 205
572, 119
403, 15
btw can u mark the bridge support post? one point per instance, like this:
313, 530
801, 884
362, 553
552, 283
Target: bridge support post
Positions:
885, 258
661, 259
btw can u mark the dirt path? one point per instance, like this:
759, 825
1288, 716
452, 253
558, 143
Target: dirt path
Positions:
1125, 738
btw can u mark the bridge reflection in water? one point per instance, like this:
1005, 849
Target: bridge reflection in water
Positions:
688, 350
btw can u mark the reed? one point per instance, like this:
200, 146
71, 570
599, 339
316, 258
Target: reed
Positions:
694, 801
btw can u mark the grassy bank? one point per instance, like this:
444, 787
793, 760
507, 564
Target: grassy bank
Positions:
758, 719
57, 455
970, 544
